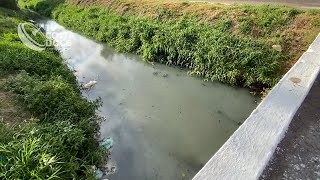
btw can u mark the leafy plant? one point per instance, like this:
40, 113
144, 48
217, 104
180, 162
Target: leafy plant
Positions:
60, 143
207, 50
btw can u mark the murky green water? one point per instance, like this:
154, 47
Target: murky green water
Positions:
164, 123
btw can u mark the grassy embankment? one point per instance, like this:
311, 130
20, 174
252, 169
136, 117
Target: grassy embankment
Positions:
47, 127
231, 44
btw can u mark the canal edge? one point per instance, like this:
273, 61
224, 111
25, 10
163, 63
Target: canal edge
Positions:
247, 152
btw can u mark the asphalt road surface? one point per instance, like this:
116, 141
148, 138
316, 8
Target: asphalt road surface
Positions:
298, 154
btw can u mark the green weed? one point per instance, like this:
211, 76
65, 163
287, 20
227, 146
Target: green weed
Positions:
207, 50
234, 47
60, 143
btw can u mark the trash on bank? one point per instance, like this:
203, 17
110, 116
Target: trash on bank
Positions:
99, 174
277, 48
110, 167
107, 143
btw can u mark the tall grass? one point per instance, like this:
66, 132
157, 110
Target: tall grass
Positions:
59, 143
211, 51
231, 44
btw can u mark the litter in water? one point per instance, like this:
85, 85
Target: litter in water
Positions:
99, 174
90, 84
107, 143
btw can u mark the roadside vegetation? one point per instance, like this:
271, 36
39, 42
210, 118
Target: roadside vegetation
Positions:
47, 127
251, 46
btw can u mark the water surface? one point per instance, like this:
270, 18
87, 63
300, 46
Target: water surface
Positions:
164, 123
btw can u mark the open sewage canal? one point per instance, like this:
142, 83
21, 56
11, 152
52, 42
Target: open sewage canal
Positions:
164, 123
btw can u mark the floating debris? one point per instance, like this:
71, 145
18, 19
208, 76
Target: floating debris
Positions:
110, 167
156, 73
165, 75
113, 169
90, 84
107, 143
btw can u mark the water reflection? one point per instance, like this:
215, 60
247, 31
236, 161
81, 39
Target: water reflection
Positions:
164, 123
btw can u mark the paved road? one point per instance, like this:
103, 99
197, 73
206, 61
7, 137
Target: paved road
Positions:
298, 154
292, 3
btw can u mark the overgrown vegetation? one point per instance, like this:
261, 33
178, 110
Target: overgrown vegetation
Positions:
59, 141
231, 44
10, 4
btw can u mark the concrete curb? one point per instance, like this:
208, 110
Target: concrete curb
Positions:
248, 151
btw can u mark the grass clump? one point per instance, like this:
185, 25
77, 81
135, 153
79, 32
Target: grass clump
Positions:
59, 141
231, 44
45, 7
209, 51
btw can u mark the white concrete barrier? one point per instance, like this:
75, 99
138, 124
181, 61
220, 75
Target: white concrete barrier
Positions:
248, 151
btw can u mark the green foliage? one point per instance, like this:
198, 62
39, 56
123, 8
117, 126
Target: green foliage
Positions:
52, 99
207, 50
234, 46
313, 11
266, 19
44, 7
315, 22
27, 159
36, 150
15, 56
9, 20
61, 143
11, 4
